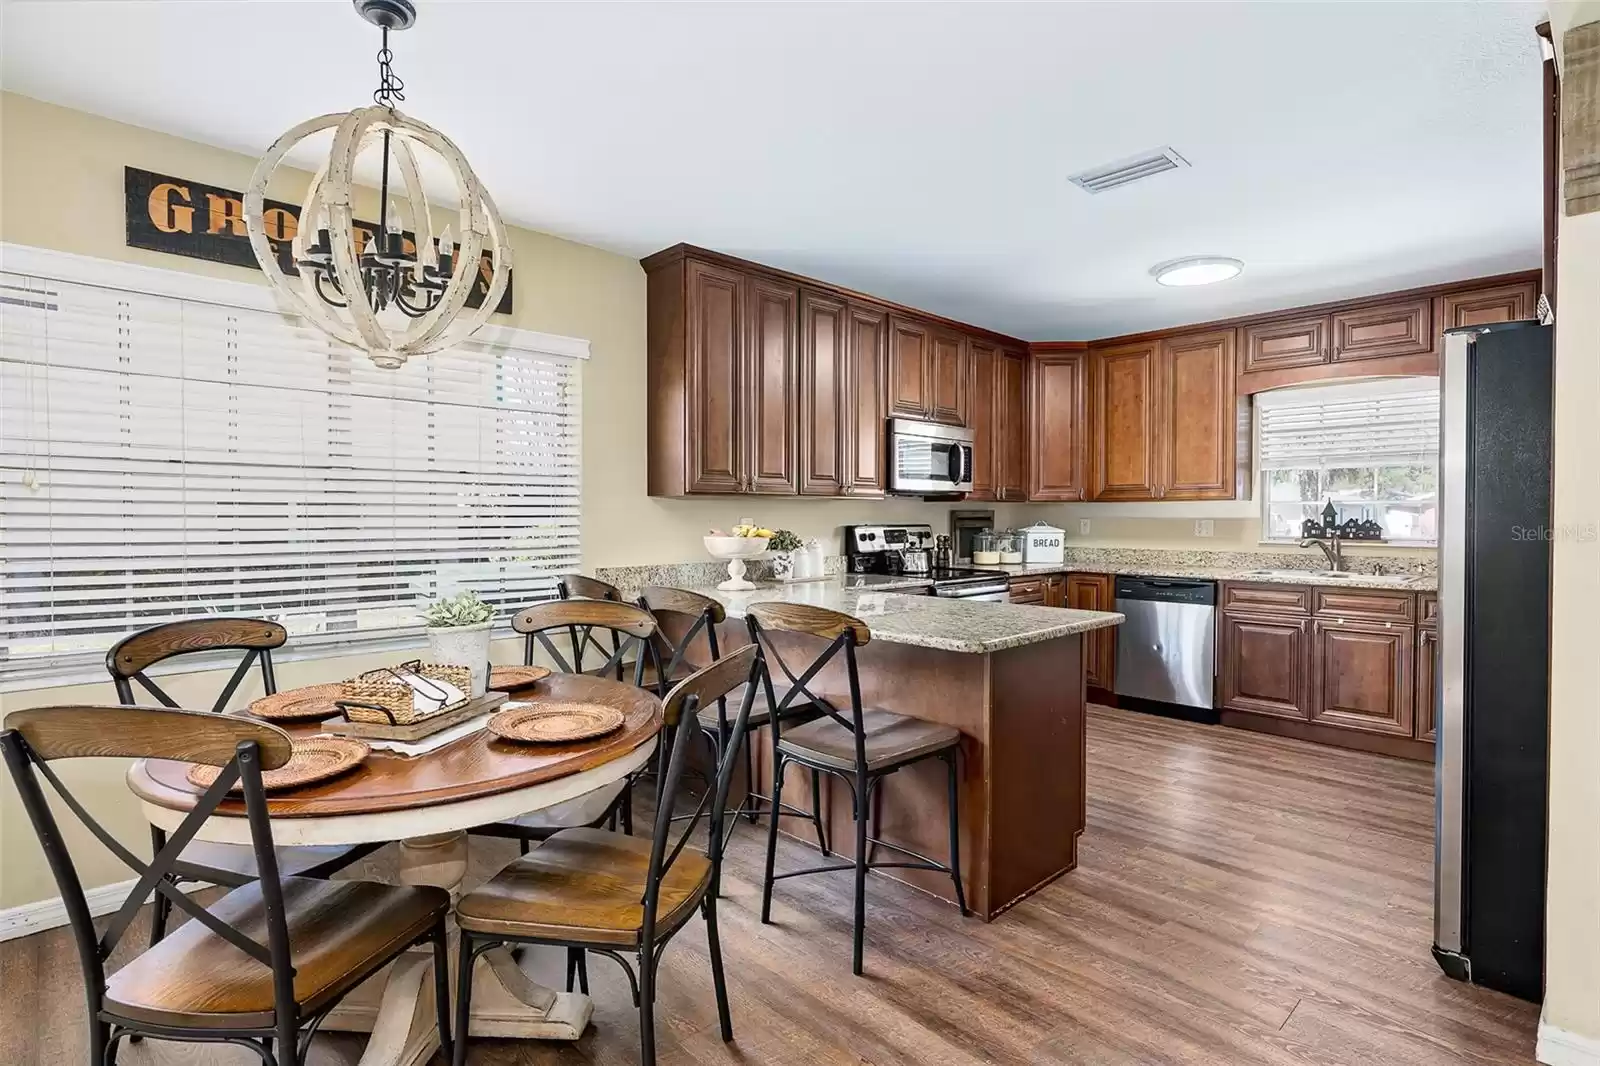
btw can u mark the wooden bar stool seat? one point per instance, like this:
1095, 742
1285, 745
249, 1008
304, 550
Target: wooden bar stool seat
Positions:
889, 740
584, 884
339, 933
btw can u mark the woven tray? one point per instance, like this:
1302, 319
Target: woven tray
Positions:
299, 704
382, 688
425, 727
507, 678
552, 722
314, 759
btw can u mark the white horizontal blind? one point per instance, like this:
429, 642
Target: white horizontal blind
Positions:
1371, 430
165, 458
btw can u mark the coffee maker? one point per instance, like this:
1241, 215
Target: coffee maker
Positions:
893, 550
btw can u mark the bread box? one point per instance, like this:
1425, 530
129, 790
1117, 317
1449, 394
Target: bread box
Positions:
1043, 544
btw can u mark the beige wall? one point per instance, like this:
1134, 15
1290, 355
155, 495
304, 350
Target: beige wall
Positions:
1572, 953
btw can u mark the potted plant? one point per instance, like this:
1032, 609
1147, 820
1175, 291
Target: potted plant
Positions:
783, 544
458, 633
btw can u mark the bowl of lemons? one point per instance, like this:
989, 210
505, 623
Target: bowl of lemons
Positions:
745, 541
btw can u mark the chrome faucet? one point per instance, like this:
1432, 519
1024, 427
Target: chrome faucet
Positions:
1335, 553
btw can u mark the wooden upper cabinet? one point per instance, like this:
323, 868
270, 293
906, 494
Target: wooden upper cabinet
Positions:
910, 355
1197, 429
1286, 343
772, 308
824, 394
948, 377
1485, 307
1122, 417
866, 436
1011, 427
983, 368
714, 375
1059, 440
1382, 331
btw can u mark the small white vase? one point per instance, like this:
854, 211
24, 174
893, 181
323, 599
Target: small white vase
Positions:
463, 646
783, 566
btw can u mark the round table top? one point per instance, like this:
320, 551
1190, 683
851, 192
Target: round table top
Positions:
474, 767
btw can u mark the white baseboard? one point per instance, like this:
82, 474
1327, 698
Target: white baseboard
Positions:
1557, 1047
51, 913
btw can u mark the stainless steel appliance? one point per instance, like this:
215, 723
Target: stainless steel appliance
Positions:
1167, 649
897, 550
929, 459
1491, 760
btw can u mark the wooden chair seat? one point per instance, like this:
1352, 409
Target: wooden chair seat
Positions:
889, 739
760, 709
240, 860
339, 932
584, 886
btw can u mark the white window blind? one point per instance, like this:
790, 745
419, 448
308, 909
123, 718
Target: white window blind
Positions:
1371, 448
165, 458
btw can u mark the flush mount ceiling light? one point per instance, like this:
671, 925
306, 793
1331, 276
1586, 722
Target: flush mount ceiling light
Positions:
417, 282
1196, 270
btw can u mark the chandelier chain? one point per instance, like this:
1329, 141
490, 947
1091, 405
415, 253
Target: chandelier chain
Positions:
390, 87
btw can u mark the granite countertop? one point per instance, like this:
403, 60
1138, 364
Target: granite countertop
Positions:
1396, 582
955, 625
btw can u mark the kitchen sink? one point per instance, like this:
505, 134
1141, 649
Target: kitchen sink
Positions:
1337, 575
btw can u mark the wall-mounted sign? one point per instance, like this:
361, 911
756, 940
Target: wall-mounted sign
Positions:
167, 214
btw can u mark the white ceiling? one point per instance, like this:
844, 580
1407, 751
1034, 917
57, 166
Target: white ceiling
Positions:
918, 151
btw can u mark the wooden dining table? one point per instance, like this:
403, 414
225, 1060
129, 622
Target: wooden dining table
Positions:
427, 803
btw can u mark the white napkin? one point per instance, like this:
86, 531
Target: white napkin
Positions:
413, 748
427, 693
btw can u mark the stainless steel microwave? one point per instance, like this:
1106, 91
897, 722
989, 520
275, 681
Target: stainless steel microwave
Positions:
927, 458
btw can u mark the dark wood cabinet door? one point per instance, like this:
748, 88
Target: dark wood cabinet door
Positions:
910, 367
1485, 307
771, 377
1055, 591
1265, 665
1286, 343
1362, 676
1059, 434
866, 428
1384, 330
824, 393
1198, 424
1011, 427
1095, 592
1122, 417
1427, 698
949, 378
1028, 590
714, 375
983, 418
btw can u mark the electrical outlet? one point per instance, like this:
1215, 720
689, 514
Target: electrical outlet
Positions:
1083, 527
1204, 527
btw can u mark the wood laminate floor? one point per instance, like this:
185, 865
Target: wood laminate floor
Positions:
1240, 899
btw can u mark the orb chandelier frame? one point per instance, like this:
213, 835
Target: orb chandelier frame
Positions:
422, 289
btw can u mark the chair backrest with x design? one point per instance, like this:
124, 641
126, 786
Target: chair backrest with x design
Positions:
687, 630
843, 633
243, 748
632, 629
582, 640
131, 656
737, 672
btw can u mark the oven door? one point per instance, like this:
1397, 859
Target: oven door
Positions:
929, 459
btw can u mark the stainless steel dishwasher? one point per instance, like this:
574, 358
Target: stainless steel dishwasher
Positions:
1167, 649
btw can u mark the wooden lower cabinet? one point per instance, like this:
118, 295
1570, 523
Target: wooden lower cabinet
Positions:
1095, 592
1028, 590
1362, 675
1266, 664
1427, 687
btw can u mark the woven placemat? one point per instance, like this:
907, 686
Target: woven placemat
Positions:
506, 678
299, 704
550, 722
314, 759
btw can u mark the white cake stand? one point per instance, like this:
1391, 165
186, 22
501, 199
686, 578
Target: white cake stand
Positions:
736, 550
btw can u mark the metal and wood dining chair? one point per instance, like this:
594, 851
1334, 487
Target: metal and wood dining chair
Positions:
581, 639
222, 864
259, 967
694, 619
860, 746
609, 893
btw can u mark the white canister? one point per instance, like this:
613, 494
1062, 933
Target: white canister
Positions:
1043, 544
463, 646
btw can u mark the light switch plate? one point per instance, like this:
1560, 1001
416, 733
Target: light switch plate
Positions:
1083, 527
1204, 527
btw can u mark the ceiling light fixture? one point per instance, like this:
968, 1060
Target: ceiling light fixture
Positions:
1196, 270
419, 283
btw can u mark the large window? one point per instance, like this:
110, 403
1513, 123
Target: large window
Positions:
1371, 448
165, 457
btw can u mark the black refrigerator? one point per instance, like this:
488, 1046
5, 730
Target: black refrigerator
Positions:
1491, 761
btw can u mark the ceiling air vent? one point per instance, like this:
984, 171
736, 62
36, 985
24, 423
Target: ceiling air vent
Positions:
1127, 171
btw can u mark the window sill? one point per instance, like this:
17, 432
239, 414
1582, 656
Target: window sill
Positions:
1398, 545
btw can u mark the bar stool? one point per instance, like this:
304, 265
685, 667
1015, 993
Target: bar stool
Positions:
860, 746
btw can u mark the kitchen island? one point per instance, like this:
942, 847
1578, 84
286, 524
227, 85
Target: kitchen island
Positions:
1010, 678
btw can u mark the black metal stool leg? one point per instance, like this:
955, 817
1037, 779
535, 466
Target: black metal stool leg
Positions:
861, 874
955, 831
463, 999
772, 840
816, 812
